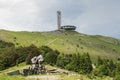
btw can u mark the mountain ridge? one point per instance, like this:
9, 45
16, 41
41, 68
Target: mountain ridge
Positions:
66, 42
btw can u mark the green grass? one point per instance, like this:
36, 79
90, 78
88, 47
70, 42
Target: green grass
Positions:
59, 77
4, 76
64, 41
71, 76
67, 42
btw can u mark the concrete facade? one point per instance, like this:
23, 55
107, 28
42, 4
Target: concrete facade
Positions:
59, 19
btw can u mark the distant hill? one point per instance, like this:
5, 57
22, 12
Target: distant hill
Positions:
66, 42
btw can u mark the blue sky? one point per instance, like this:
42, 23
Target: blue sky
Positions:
96, 17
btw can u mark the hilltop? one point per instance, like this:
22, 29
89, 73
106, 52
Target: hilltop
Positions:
66, 42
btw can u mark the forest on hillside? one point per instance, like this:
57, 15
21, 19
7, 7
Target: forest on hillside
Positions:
77, 62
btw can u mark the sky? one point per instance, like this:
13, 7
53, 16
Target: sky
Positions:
94, 17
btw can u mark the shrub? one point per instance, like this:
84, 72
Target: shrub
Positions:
33, 51
51, 57
117, 77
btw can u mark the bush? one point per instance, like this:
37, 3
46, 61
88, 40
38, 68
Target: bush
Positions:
33, 51
4, 44
99, 71
51, 57
63, 60
117, 77
106, 67
44, 50
75, 62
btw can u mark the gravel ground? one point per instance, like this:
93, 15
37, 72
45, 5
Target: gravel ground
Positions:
46, 77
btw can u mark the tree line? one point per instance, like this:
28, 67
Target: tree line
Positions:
107, 67
77, 62
11, 56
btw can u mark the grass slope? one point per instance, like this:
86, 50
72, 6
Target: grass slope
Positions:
71, 76
66, 42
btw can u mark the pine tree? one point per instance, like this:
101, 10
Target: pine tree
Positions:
86, 64
99, 61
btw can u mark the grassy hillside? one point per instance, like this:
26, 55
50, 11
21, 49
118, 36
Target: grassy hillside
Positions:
71, 76
66, 42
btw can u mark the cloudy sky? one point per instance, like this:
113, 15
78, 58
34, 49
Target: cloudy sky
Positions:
100, 17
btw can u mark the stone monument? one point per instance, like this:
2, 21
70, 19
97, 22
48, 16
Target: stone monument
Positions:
37, 65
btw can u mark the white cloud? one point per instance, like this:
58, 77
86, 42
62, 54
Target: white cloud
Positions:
100, 17
91, 16
17, 15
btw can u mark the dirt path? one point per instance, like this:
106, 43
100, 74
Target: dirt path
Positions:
45, 77
51, 41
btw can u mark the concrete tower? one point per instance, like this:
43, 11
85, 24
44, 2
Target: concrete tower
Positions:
59, 19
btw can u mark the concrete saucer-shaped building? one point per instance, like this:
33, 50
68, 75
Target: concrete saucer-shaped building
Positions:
68, 27
65, 27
